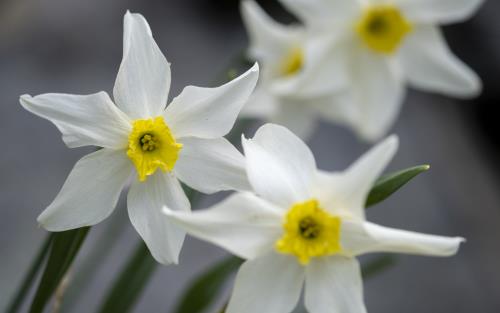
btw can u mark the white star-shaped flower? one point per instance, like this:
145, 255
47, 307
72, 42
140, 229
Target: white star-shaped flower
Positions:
291, 92
378, 46
143, 139
302, 225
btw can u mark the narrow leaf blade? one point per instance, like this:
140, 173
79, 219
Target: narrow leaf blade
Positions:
390, 183
131, 281
378, 265
204, 289
64, 248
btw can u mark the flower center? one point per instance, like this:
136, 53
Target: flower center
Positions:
309, 231
383, 28
292, 62
151, 145
149, 142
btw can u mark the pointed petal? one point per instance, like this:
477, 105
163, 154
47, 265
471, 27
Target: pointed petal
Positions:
439, 11
319, 13
377, 91
269, 40
211, 165
143, 81
271, 283
243, 224
261, 104
210, 112
145, 203
359, 238
90, 192
348, 190
280, 166
324, 72
299, 118
334, 285
430, 65
89, 120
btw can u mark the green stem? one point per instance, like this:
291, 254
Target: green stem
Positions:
27, 282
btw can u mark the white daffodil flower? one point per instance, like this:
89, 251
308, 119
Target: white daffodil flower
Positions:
140, 136
303, 225
291, 91
382, 46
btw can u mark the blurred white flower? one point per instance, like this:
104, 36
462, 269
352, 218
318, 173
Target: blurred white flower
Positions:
303, 225
140, 136
291, 91
379, 47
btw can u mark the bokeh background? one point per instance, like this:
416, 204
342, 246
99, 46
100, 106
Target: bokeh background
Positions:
75, 46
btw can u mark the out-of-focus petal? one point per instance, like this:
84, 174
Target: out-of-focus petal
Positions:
321, 13
378, 91
438, 11
430, 65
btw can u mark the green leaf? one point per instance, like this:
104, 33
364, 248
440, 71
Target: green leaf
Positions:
390, 183
25, 286
131, 281
378, 265
64, 248
204, 289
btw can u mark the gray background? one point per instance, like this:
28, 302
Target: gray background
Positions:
75, 47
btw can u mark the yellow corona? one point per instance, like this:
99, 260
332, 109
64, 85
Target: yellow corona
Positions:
383, 28
151, 145
309, 231
293, 62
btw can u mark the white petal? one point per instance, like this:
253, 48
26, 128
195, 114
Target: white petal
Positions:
90, 192
83, 120
320, 13
359, 238
430, 65
348, 190
242, 223
145, 203
334, 285
300, 118
211, 165
210, 112
280, 167
261, 104
143, 81
269, 40
439, 11
271, 283
324, 72
377, 92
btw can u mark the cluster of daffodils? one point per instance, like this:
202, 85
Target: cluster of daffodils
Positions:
292, 223
349, 61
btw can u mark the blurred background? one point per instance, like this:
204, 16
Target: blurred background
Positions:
75, 46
